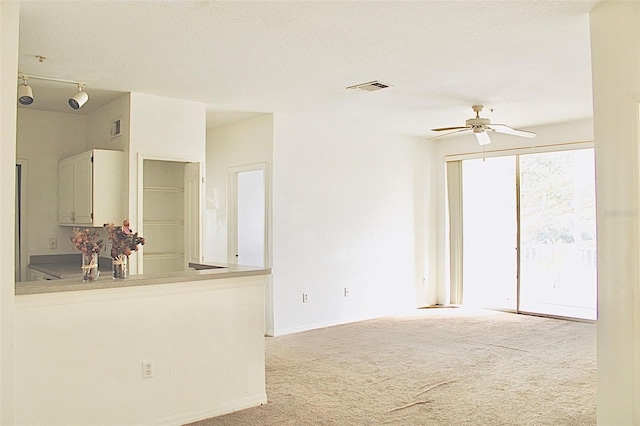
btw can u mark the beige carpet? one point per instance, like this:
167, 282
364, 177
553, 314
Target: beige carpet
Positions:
438, 367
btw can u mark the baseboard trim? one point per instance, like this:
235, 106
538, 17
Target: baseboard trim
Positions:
230, 407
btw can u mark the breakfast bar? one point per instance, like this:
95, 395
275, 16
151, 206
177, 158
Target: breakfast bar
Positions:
123, 351
66, 276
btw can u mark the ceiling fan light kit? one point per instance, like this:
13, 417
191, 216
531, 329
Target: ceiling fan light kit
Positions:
480, 126
481, 136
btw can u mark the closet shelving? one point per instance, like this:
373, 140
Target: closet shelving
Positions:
163, 216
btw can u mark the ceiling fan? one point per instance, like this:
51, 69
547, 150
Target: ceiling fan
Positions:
480, 128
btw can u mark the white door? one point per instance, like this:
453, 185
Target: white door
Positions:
490, 233
248, 224
65, 192
558, 234
83, 189
543, 204
251, 218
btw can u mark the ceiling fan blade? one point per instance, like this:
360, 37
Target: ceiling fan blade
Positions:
501, 128
460, 129
442, 129
483, 138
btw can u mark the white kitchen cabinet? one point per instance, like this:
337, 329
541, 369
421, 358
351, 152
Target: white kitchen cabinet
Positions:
91, 188
39, 276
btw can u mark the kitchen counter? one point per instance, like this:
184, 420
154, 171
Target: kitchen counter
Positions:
63, 266
71, 277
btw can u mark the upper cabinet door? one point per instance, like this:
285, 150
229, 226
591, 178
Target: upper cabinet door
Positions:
65, 192
82, 189
90, 191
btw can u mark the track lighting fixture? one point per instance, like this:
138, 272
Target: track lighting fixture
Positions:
79, 98
25, 93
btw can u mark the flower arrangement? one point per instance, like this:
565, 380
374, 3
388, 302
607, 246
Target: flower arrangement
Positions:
123, 242
87, 241
123, 239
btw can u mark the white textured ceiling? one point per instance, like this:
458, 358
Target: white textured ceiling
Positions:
528, 60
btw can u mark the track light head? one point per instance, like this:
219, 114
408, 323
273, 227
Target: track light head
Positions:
25, 93
78, 99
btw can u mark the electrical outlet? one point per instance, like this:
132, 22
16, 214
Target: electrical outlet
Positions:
53, 243
304, 298
346, 292
147, 369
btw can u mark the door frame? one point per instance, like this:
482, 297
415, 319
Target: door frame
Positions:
232, 210
232, 231
571, 146
139, 214
23, 219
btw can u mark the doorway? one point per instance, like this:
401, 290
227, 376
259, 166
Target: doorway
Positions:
20, 222
529, 233
489, 233
247, 222
169, 214
558, 234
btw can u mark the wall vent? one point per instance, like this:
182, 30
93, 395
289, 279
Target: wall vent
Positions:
370, 86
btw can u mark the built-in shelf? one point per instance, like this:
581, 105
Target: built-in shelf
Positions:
163, 216
163, 255
163, 222
162, 189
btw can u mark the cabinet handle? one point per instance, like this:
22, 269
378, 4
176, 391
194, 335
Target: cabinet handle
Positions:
73, 216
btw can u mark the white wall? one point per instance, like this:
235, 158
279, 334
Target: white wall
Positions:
99, 126
43, 138
238, 144
615, 43
9, 18
558, 136
161, 128
426, 219
165, 128
79, 354
344, 215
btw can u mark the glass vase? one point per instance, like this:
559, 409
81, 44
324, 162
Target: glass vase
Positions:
119, 267
90, 271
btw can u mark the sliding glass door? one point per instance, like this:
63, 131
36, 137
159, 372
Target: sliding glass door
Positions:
558, 234
489, 233
528, 237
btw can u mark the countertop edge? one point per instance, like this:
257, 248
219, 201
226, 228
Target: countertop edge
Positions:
106, 282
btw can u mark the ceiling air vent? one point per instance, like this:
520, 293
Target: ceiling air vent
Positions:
371, 86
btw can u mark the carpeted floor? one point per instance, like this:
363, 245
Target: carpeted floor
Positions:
437, 367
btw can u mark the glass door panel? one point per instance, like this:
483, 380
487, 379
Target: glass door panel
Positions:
558, 234
489, 233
